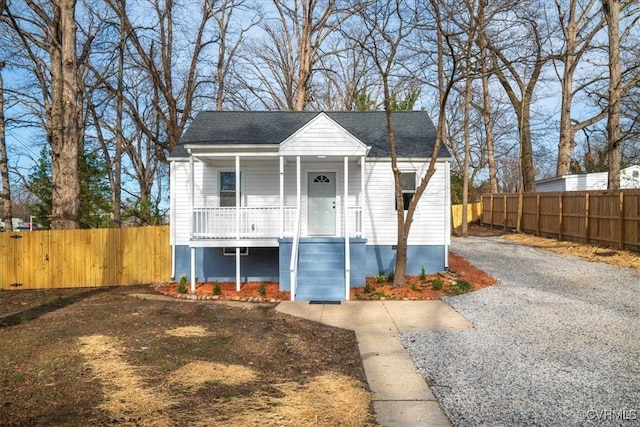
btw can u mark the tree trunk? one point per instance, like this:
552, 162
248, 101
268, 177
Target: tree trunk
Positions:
117, 160
567, 133
526, 151
486, 98
488, 126
611, 9
4, 163
467, 147
66, 121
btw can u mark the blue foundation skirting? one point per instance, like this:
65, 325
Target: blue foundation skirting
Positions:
272, 264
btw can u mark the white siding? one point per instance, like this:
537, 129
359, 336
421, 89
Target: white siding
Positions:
430, 220
590, 181
180, 196
322, 136
261, 187
556, 184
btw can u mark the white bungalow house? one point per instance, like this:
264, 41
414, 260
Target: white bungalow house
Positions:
303, 198
629, 178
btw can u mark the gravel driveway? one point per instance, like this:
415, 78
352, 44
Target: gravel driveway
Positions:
557, 342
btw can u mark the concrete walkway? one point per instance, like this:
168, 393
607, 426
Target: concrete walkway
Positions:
401, 397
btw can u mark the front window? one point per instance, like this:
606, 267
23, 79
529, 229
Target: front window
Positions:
408, 181
227, 189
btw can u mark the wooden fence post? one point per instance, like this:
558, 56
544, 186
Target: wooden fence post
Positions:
504, 208
560, 217
586, 217
491, 212
538, 214
520, 202
621, 220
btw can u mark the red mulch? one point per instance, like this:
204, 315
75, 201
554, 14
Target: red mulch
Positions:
414, 289
228, 291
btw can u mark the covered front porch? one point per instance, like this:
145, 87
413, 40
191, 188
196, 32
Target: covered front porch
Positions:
242, 200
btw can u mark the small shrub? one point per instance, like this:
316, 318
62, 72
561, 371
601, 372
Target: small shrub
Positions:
217, 290
390, 277
368, 289
437, 284
379, 294
460, 287
414, 287
423, 275
182, 286
380, 277
262, 290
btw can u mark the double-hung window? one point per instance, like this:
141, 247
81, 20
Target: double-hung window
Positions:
408, 181
227, 189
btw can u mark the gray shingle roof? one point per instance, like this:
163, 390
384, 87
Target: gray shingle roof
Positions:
414, 131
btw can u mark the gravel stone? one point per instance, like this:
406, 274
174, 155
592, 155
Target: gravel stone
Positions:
556, 342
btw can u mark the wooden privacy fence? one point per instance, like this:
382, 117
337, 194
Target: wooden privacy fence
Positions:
599, 217
84, 258
474, 212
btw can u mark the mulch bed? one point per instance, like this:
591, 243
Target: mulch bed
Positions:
416, 288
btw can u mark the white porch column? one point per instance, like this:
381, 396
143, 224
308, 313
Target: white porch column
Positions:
281, 197
362, 195
237, 222
191, 194
191, 225
298, 184
345, 220
193, 270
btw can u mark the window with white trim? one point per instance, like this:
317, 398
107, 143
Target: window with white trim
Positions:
408, 181
227, 189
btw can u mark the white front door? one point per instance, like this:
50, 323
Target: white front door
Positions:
322, 204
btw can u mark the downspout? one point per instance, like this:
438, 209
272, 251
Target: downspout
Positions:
447, 203
237, 222
191, 208
172, 218
362, 195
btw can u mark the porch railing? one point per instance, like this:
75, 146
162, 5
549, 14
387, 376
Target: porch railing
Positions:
255, 222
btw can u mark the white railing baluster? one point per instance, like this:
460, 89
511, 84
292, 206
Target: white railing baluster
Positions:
255, 222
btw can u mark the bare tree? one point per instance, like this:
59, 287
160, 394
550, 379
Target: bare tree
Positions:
292, 48
485, 58
579, 26
229, 42
611, 11
519, 52
154, 53
344, 78
4, 163
389, 26
62, 96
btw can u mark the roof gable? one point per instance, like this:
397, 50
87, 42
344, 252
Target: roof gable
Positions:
322, 136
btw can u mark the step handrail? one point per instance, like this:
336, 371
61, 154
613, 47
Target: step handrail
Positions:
293, 265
